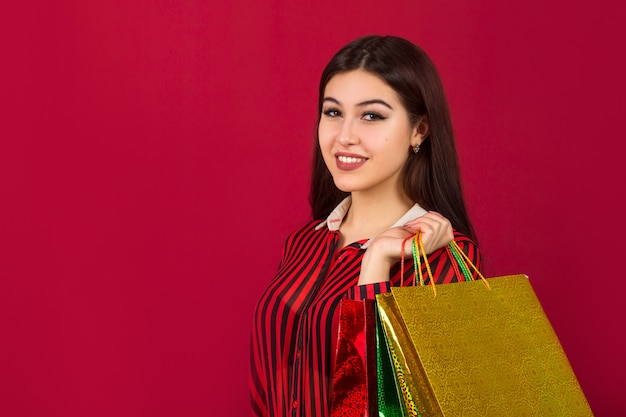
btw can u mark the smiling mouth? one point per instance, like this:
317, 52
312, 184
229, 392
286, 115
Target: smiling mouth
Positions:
350, 162
350, 159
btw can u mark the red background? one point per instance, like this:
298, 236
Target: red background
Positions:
154, 156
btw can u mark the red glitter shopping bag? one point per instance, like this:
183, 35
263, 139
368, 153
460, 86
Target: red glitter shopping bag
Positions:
353, 391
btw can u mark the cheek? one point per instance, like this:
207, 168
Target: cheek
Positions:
325, 137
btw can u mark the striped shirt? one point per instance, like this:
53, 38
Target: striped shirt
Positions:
295, 323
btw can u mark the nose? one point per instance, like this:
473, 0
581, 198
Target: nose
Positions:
347, 135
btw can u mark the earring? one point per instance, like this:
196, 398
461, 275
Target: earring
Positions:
416, 149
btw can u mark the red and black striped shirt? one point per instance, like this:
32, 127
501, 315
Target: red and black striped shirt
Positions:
295, 323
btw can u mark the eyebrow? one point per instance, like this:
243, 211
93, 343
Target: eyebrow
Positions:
363, 103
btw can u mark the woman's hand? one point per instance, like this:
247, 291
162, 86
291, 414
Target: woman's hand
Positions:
436, 231
386, 248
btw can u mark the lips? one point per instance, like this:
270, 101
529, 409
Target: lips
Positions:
346, 162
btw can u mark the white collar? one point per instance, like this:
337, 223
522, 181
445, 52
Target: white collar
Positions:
334, 219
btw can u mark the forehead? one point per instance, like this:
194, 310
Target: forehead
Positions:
357, 86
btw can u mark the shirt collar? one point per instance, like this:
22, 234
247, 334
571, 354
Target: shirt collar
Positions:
334, 219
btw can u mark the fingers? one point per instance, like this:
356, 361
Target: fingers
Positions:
430, 222
436, 230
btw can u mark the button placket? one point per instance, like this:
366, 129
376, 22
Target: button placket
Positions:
296, 369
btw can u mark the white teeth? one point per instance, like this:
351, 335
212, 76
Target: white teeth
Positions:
350, 159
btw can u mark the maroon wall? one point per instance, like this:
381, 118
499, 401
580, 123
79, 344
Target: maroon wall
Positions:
154, 156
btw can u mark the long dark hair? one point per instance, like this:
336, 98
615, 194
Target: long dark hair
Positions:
432, 176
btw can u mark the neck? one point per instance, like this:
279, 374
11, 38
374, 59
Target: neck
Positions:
370, 215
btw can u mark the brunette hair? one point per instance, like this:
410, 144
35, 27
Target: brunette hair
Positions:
432, 176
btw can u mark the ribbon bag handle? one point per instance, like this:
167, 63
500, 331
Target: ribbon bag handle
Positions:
418, 253
458, 258
463, 261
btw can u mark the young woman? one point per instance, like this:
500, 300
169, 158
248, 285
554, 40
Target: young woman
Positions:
385, 168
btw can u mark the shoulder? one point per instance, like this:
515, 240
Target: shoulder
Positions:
466, 244
305, 236
469, 247
461, 239
312, 227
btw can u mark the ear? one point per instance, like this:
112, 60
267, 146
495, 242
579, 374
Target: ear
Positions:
420, 132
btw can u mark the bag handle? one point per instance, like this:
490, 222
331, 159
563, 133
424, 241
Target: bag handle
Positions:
458, 258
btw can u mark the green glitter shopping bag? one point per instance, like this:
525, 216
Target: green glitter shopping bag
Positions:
390, 402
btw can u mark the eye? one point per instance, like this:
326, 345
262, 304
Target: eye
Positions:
372, 116
331, 113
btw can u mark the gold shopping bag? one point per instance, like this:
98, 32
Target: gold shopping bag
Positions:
477, 351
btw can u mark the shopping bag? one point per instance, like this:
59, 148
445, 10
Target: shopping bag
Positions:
477, 348
364, 377
354, 385
388, 371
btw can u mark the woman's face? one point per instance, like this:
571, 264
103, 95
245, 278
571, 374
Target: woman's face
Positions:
364, 133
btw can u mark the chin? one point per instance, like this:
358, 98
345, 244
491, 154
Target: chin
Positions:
347, 187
